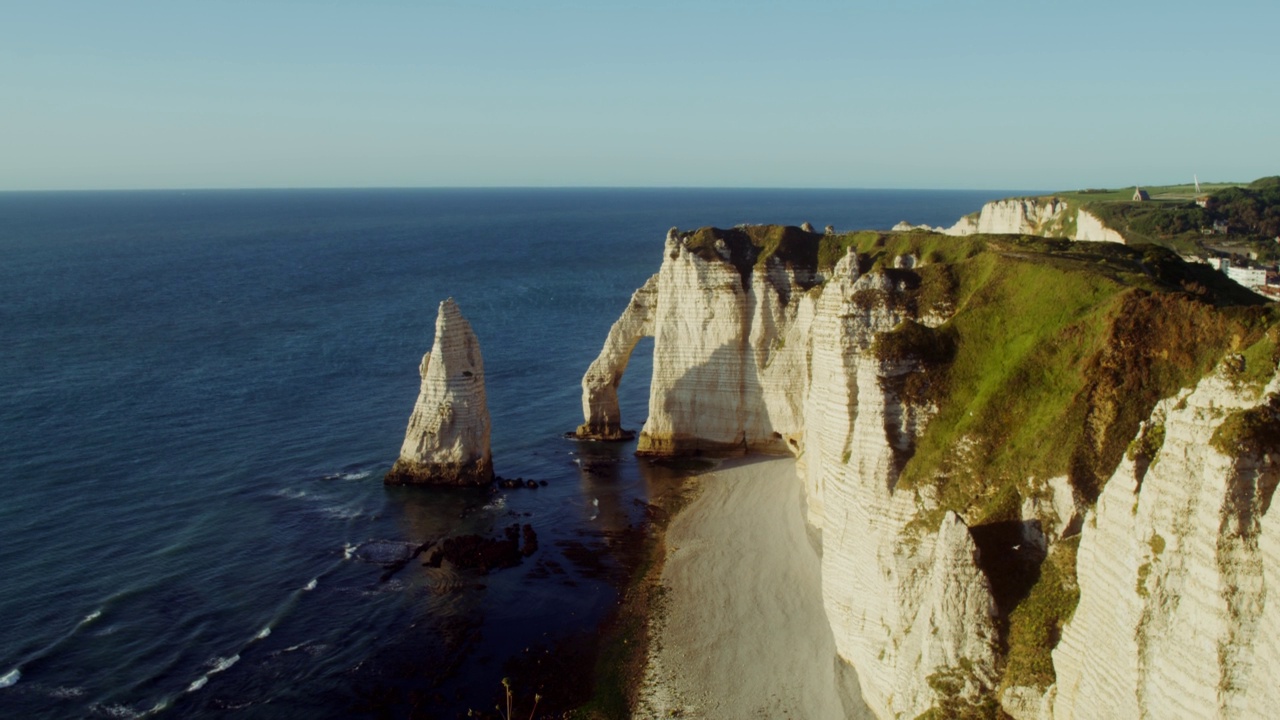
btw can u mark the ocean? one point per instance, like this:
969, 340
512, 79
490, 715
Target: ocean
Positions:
202, 390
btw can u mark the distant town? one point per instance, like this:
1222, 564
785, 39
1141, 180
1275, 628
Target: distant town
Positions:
1235, 227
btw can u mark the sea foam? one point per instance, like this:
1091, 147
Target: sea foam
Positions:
223, 663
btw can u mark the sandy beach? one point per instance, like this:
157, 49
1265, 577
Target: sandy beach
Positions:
741, 632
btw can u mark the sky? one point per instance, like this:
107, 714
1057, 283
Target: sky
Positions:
134, 94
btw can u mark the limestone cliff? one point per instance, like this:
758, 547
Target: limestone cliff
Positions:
1042, 216
1175, 564
603, 420
1089, 228
955, 405
447, 439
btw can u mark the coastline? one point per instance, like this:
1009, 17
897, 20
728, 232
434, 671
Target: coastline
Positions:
737, 579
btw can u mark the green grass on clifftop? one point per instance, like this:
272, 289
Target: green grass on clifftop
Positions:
1172, 218
1060, 350
1054, 350
1054, 354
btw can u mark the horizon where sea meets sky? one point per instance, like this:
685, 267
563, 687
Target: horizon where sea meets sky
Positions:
917, 94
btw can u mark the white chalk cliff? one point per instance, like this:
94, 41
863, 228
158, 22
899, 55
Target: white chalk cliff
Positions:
447, 439
1043, 216
775, 356
733, 369
1175, 564
600, 384
1090, 229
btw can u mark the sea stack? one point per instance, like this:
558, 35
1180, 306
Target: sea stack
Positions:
447, 441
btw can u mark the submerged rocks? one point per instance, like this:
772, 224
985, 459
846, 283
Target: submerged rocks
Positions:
518, 483
447, 440
476, 552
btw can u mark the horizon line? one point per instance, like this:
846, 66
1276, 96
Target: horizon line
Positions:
322, 188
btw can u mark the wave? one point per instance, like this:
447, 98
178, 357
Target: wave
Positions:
263, 634
65, 693
309, 647
13, 675
115, 711
216, 665
342, 512
289, 493
347, 550
498, 503
347, 511
350, 475
223, 663
311, 585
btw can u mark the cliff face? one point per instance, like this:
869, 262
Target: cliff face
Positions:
1042, 216
602, 419
1175, 564
949, 492
753, 354
447, 439
724, 377
1090, 229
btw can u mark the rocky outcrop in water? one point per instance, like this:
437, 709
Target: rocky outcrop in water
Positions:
447, 439
764, 339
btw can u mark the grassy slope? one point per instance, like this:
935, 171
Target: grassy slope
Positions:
1057, 352
1054, 353
1170, 218
1185, 192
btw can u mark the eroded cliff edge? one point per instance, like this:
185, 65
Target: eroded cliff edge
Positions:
963, 410
1051, 217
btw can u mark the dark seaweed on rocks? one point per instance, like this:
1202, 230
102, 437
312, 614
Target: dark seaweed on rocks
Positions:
476, 552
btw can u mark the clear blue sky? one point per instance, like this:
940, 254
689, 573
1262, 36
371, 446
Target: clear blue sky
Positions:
906, 94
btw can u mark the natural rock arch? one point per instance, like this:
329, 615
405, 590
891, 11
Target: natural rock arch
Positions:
602, 418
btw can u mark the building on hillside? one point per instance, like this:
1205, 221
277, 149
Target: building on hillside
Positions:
1248, 277
1203, 201
1139, 195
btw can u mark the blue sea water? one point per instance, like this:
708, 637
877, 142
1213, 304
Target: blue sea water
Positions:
202, 390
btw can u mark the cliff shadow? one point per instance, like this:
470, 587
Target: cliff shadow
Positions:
705, 408
1009, 559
